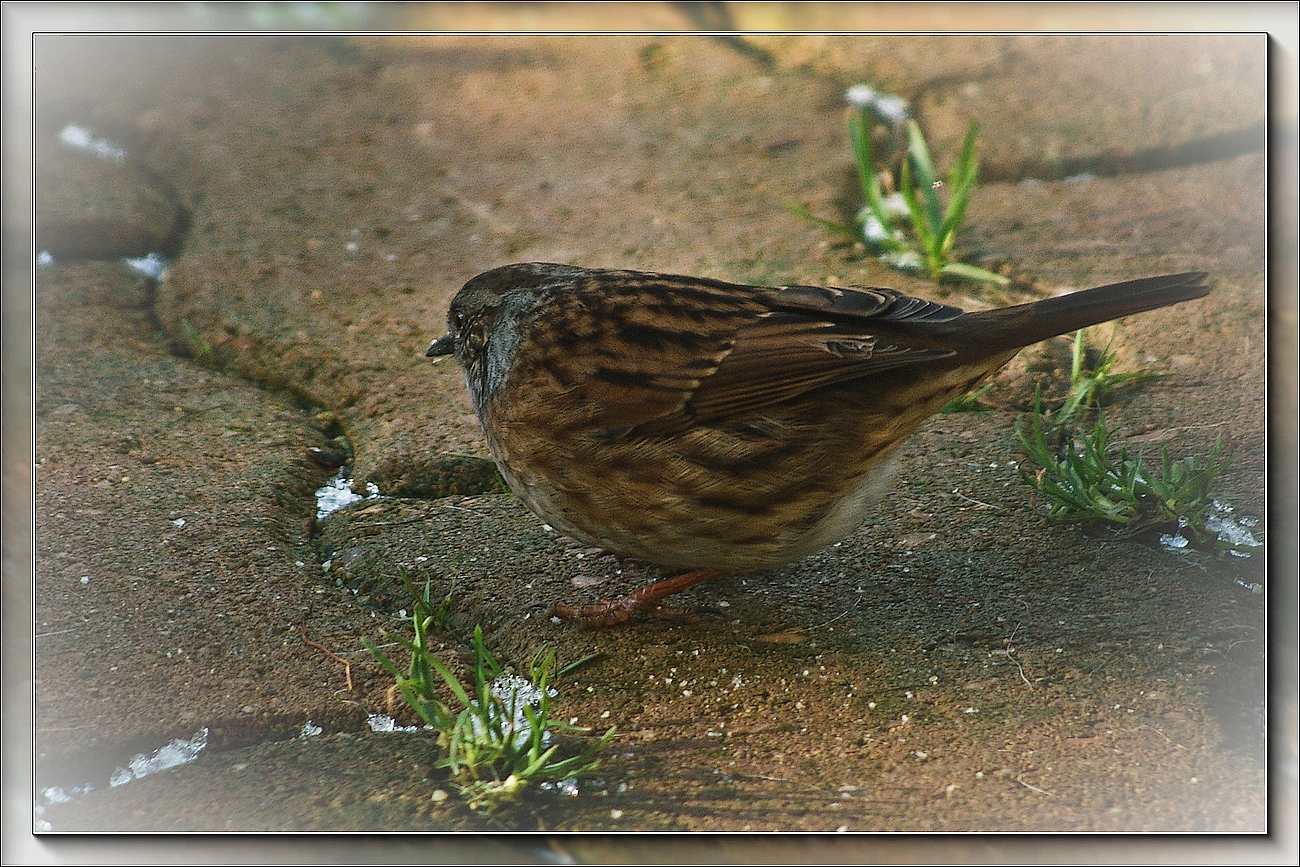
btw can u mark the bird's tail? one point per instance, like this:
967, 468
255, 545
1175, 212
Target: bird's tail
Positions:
1025, 324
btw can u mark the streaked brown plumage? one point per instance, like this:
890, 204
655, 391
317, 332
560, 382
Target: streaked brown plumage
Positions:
717, 427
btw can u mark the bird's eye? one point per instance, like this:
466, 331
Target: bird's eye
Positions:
458, 319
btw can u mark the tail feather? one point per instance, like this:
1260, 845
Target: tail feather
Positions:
1025, 324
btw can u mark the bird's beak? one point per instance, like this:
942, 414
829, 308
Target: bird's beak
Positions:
444, 345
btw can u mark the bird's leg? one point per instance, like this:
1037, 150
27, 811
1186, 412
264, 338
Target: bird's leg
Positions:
615, 611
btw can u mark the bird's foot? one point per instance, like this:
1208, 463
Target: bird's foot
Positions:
612, 612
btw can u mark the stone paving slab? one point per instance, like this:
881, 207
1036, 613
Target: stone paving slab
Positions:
338, 191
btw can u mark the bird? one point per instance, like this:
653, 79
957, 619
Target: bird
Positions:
717, 428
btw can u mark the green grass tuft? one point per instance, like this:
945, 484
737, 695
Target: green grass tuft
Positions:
914, 229
497, 745
1082, 481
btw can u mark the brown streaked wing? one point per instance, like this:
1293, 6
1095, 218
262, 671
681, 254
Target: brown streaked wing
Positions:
776, 361
702, 350
814, 336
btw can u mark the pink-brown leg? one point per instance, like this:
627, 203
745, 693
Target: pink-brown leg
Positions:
615, 611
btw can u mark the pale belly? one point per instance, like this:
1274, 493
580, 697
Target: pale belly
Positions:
671, 528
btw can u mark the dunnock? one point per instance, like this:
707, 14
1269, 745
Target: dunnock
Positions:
717, 427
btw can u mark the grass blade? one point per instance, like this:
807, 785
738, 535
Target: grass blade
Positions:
961, 181
919, 152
